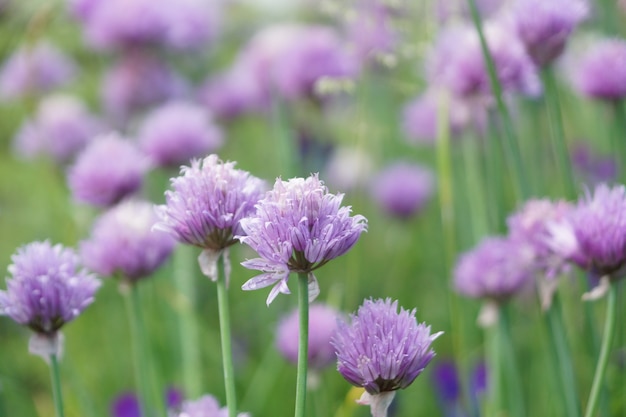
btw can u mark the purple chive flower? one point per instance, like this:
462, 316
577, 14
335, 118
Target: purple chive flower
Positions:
382, 350
122, 242
446, 380
205, 406
208, 201
545, 26
127, 404
60, 129
496, 269
107, 170
592, 167
177, 132
458, 64
298, 227
322, 325
48, 287
601, 71
594, 234
451, 9
34, 69
402, 189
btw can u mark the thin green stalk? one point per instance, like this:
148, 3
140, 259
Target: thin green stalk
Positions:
303, 343
559, 145
618, 136
225, 335
475, 188
605, 349
284, 134
493, 354
56, 385
511, 146
562, 358
184, 279
511, 372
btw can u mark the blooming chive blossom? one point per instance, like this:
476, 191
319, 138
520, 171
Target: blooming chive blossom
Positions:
322, 325
544, 26
382, 350
205, 406
601, 71
109, 169
297, 227
593, 168
48, 287
496, 269
122, 242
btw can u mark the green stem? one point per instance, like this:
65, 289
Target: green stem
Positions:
476, 194
607, 341
56, 385
284, 133
493, 353
303, 343
511, 370
225, 335
618, 132
511, 147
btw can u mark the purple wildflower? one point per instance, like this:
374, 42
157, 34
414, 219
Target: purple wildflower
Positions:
34, 69
322, 325
109, 169
177, 132
205, 406
402, 189
122, 242
601, 71
61, 128
593, 168
48, 287
208, 202
382, 350
298, 227
545, 26
126, 405
496, 269
446, 380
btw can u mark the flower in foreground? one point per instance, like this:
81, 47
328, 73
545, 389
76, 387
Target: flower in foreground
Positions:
382, 350
122, 242
48, 288
205, 406
298, 227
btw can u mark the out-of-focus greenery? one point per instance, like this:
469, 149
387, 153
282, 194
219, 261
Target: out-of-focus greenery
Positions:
404, 260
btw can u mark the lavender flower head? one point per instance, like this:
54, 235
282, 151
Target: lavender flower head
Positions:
601, 71
496, 269
382, 350
592, 167
205, 406
322, 325
61, 128
402, 189
48, 287
298, 227
177, 132
545, 26
108, 170
208, 202
122, 242
34, 69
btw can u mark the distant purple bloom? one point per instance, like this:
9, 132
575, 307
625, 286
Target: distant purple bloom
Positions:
48, 287
109, 169
545, 26
298, 227
61, 127
372, 32
479, 381
322, 325
497, 268
122, 242
594, 235
452, 9
592, 167
402, 189
601, 71
126, 405
177, 132
34, 69
382, 350
205, 406
446, 380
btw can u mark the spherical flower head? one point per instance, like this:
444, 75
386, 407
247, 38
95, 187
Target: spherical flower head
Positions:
601, 71
496, 269
545, 26
298, 227
48, 287
122, 242
61, 128
109, 169
207, 203
403, 189
34, 69
597, 232
205, 406
178, 131
322, 326
382, 349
